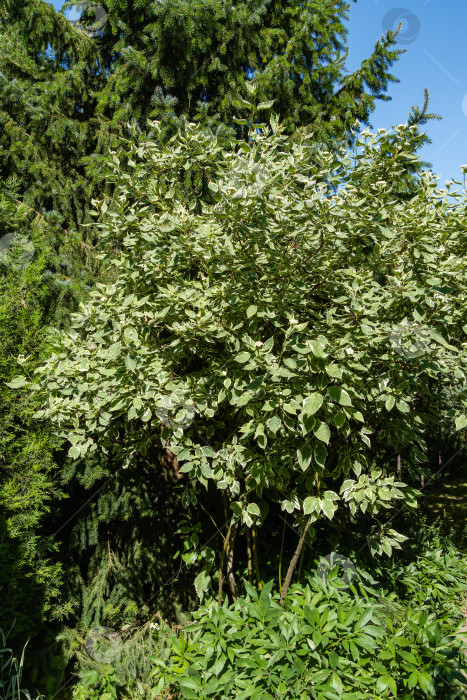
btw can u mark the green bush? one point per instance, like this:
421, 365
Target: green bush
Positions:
324, 643
436, 578
295, 335
97, 686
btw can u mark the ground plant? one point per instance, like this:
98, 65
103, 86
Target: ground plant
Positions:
11, 672
324, 643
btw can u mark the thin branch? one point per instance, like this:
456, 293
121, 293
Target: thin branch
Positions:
230, 574
280, 556
249, 555
255, 557
221, 565
293, 561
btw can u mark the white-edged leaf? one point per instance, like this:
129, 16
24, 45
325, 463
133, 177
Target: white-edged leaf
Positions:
17, 382
304, 455
461, 422
322, 432
253, 509
74, 452
265, 105
328, 508
317, 349
312, 404
310, 504
339, 395
242, 357
274, 423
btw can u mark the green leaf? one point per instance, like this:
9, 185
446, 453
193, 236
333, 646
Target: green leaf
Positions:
320, 453
426, 682
202, 583
274, 423
308, 422
114, 351
339, 395
218, 665
265, 105
251, 311
17, 382
130, 362
339, 419
386, 547
413, 679
461, 422
256, 383
334, 371
290, 362
322, 432
312, 404
381, 684
302, 349
128, 300
187, 691
390, 403
242, 357
304, 456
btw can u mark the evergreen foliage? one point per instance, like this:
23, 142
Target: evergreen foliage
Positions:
48, 75
202, 54
49, 72
30, 576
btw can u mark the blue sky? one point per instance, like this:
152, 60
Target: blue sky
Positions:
433, 34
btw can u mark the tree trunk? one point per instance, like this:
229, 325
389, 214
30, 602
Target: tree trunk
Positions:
230, 574
255, 557
221, 565
249, 556
293, 561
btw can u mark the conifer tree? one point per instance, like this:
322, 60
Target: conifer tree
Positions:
65, 94
200, 55
178, 59
47, 78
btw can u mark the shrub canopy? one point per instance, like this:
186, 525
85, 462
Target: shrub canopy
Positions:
296, 336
